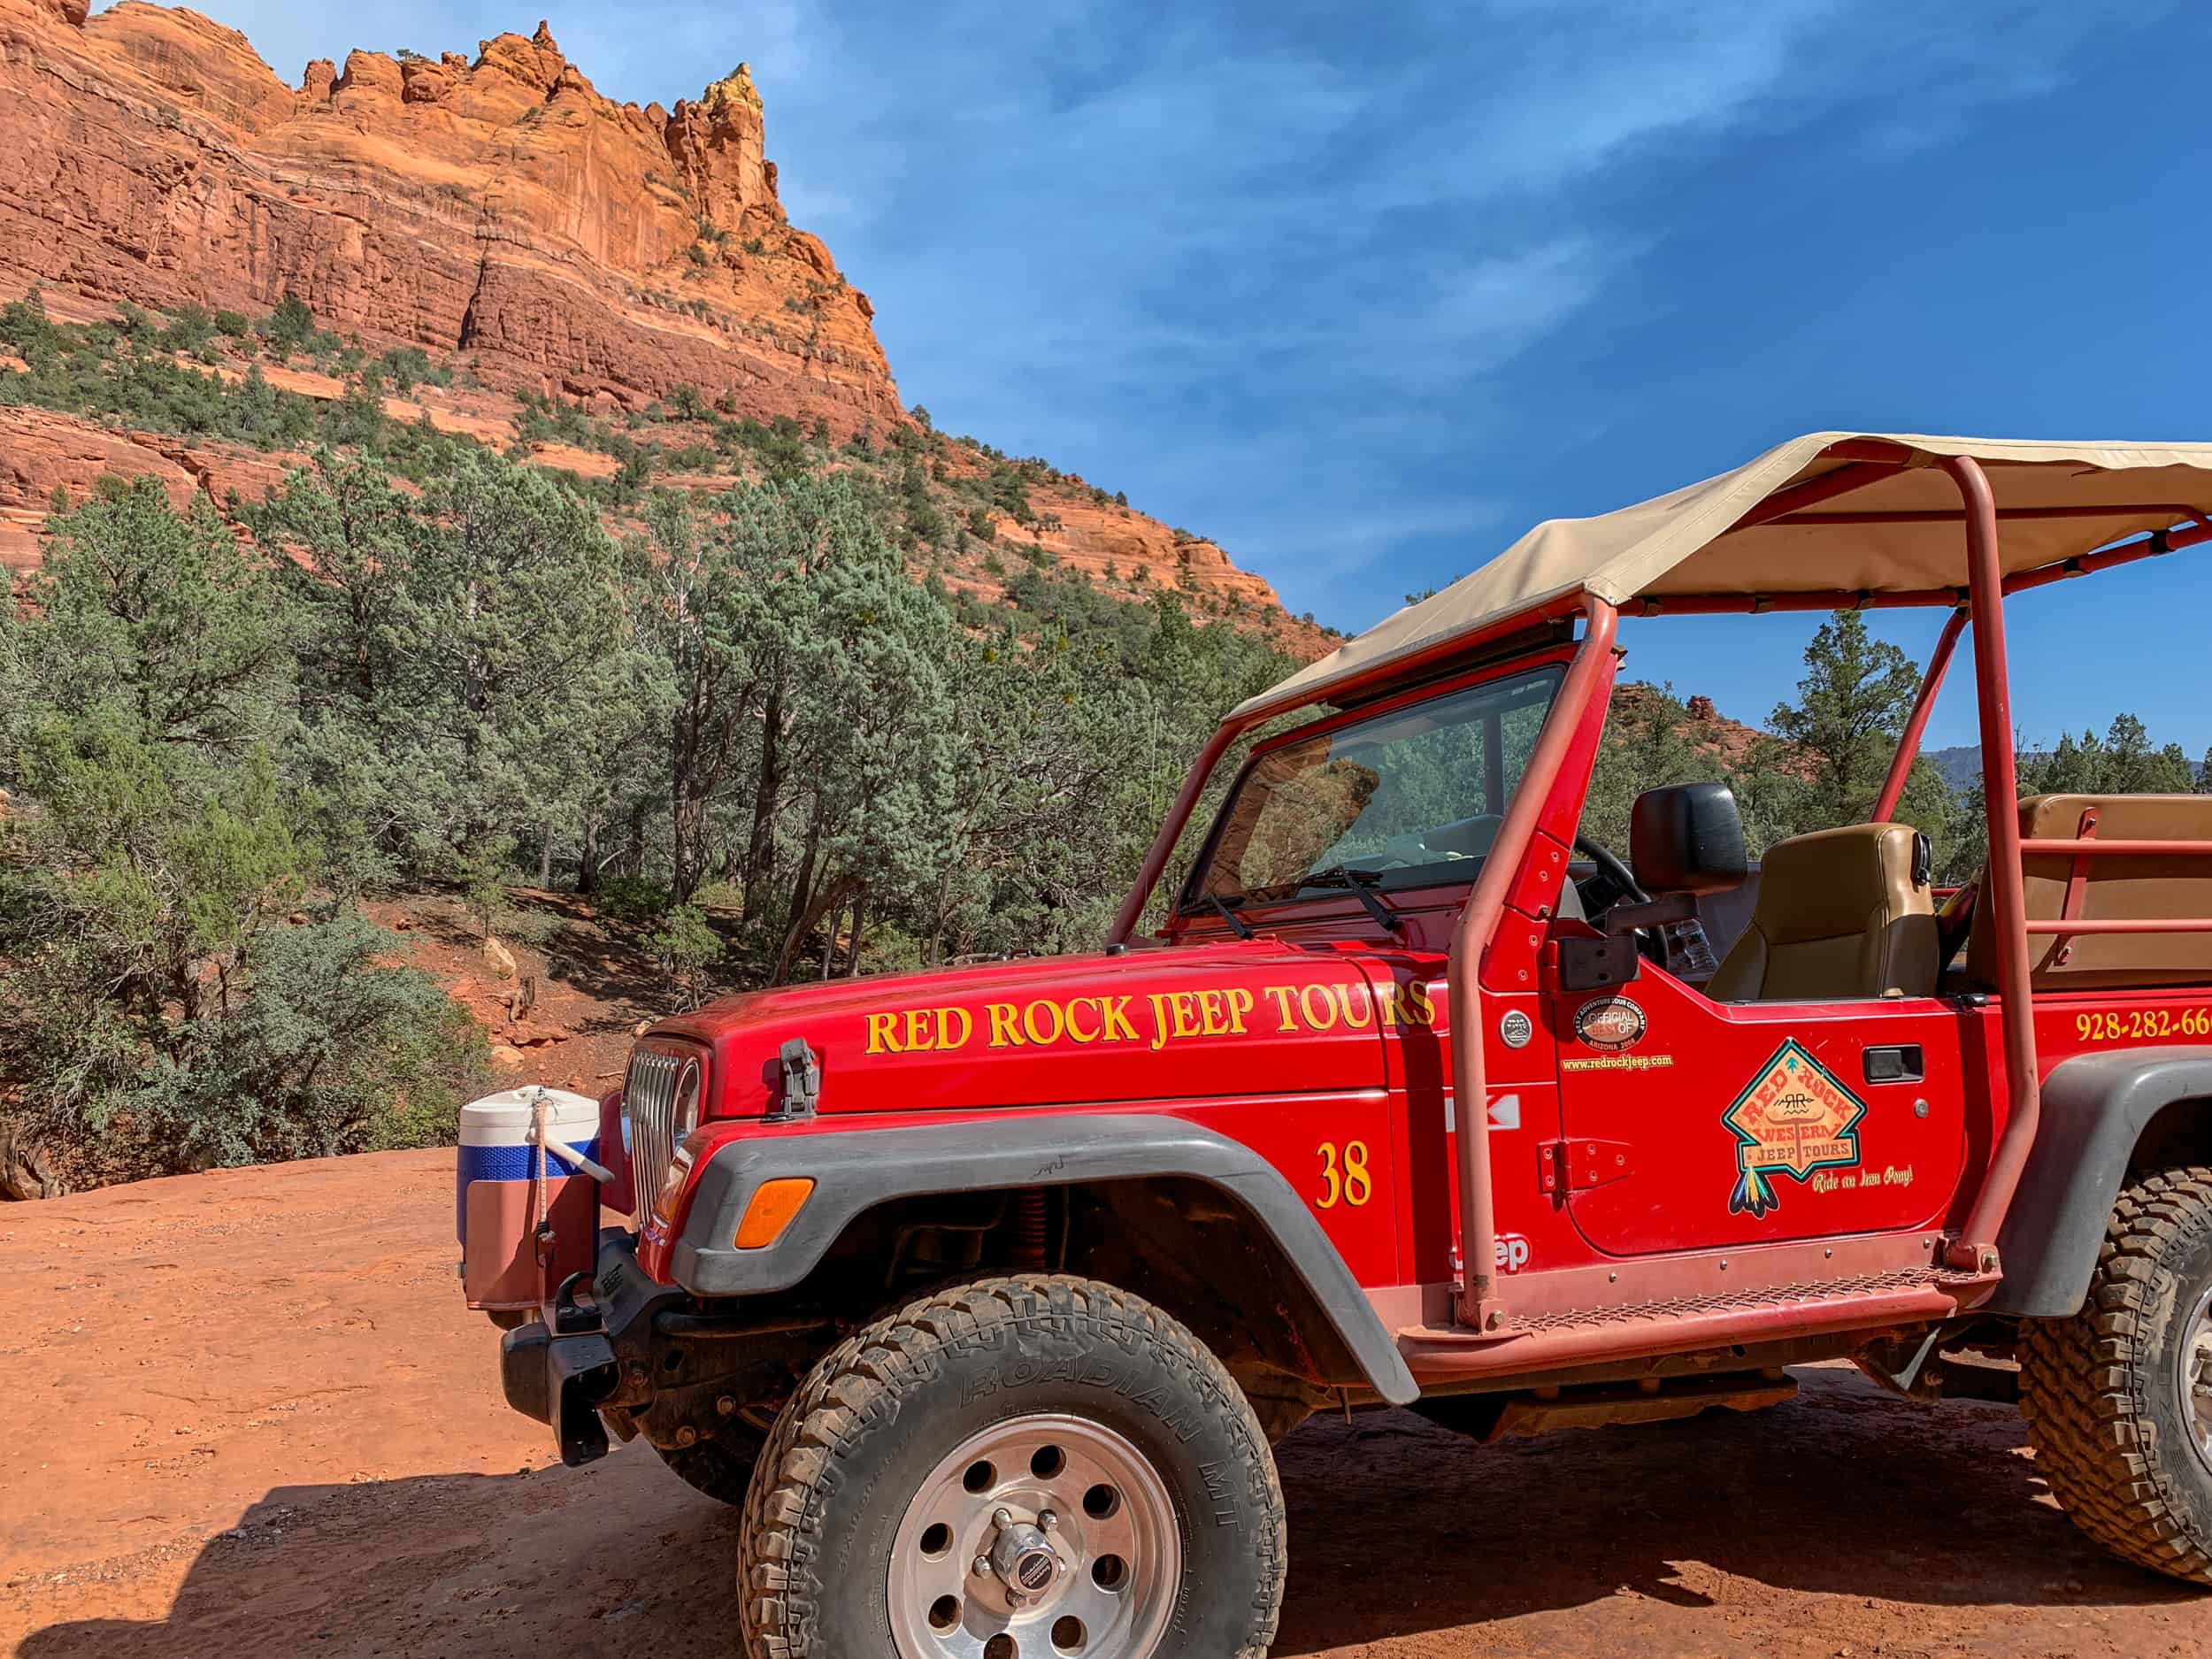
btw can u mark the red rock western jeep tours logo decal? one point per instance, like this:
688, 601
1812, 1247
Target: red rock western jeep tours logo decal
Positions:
1793, 1118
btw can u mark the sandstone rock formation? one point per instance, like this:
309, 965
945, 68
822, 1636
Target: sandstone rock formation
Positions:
497, 207
494, 211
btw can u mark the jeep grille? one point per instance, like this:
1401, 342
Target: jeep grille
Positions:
648, 1100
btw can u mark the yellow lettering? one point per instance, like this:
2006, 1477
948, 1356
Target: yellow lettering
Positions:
1184, 1006
1114, 1019
1076, 1030
1239, 1005
1029, 1021
1281, 995
1408, 1004
945, 1037
1213, 1013
1004, 1033
1354, 1003
1328, 1007
919, 1035
883, 1033
1159, 1020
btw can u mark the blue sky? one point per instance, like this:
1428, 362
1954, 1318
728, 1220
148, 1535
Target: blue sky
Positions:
1362, 292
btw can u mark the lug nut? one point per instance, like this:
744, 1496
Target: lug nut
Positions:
981, 1567
687, 1435
1001, 1517
1047, 1520
727, 1405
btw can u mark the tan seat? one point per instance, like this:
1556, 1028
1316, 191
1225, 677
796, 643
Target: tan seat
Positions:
2114, 889
1841, 913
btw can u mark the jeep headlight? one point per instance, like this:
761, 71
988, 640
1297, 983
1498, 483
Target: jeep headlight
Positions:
683, 1116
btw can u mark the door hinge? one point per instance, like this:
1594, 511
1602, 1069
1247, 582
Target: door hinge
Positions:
1577, 1165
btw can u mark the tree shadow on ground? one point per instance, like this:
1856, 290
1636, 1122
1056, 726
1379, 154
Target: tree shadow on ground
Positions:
1845, 1492
1611, 1541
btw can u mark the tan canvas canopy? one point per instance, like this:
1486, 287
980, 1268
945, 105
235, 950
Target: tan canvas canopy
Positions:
1899, 532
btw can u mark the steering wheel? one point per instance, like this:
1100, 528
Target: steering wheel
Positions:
1610, 866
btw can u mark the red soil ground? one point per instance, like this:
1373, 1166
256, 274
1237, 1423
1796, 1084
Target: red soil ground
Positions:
250, 1416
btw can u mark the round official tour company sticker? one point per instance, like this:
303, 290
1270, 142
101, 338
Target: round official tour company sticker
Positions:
1515, 1029
1609, 1023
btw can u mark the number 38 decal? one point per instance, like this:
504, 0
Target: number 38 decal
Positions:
1344, 1179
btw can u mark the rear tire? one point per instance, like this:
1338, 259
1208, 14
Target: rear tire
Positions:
937, 1441
2118, 1398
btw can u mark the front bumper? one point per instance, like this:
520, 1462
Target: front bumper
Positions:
589, 1354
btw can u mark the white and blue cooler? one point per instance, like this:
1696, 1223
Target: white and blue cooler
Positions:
493, 1216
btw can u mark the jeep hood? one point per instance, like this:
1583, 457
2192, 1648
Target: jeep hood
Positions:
1253, 1017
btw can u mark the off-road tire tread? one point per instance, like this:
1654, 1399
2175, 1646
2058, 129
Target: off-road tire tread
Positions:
851, 1386
2082, 1384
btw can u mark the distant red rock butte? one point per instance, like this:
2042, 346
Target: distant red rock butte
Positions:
497, 206
497, 210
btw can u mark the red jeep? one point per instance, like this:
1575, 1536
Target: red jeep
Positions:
986, 1292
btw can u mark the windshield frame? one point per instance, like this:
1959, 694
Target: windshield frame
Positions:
1191, 900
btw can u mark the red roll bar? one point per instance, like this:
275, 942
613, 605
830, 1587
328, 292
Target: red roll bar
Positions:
1916, 726
1976, 1248
1586, 677
1162, 846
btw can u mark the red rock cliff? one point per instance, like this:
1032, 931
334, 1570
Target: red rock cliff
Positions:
497, 206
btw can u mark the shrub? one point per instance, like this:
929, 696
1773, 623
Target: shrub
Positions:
290, 327
719, 896
482, 868
331, 1050
633, 899
535, 928
685, 946
190, 330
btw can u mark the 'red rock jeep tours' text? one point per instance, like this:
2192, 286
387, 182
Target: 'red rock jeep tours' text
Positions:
985, 1292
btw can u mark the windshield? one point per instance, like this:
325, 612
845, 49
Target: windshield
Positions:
1397, 801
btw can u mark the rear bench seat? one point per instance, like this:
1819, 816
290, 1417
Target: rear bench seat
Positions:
2113, 889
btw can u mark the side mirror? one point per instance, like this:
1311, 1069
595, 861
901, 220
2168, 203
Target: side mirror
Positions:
1687, 838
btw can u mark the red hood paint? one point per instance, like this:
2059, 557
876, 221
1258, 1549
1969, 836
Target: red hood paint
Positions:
1245, 1017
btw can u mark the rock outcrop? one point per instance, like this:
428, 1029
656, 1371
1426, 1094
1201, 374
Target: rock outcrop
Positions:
496, 212
495, 206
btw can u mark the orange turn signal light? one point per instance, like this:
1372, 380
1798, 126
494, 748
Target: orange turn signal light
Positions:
774, 1204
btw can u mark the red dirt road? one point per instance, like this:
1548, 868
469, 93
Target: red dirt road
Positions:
248, 1415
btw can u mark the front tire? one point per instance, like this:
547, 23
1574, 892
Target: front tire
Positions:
2118, 1398
1023, 1468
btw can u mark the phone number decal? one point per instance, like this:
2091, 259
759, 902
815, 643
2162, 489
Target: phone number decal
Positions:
2136, 1025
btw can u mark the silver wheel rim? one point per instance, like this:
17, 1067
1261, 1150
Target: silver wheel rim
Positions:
1041, 1537
2193, 1363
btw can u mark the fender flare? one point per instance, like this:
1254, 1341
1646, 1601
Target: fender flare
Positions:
854, 1172
2095, 1109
